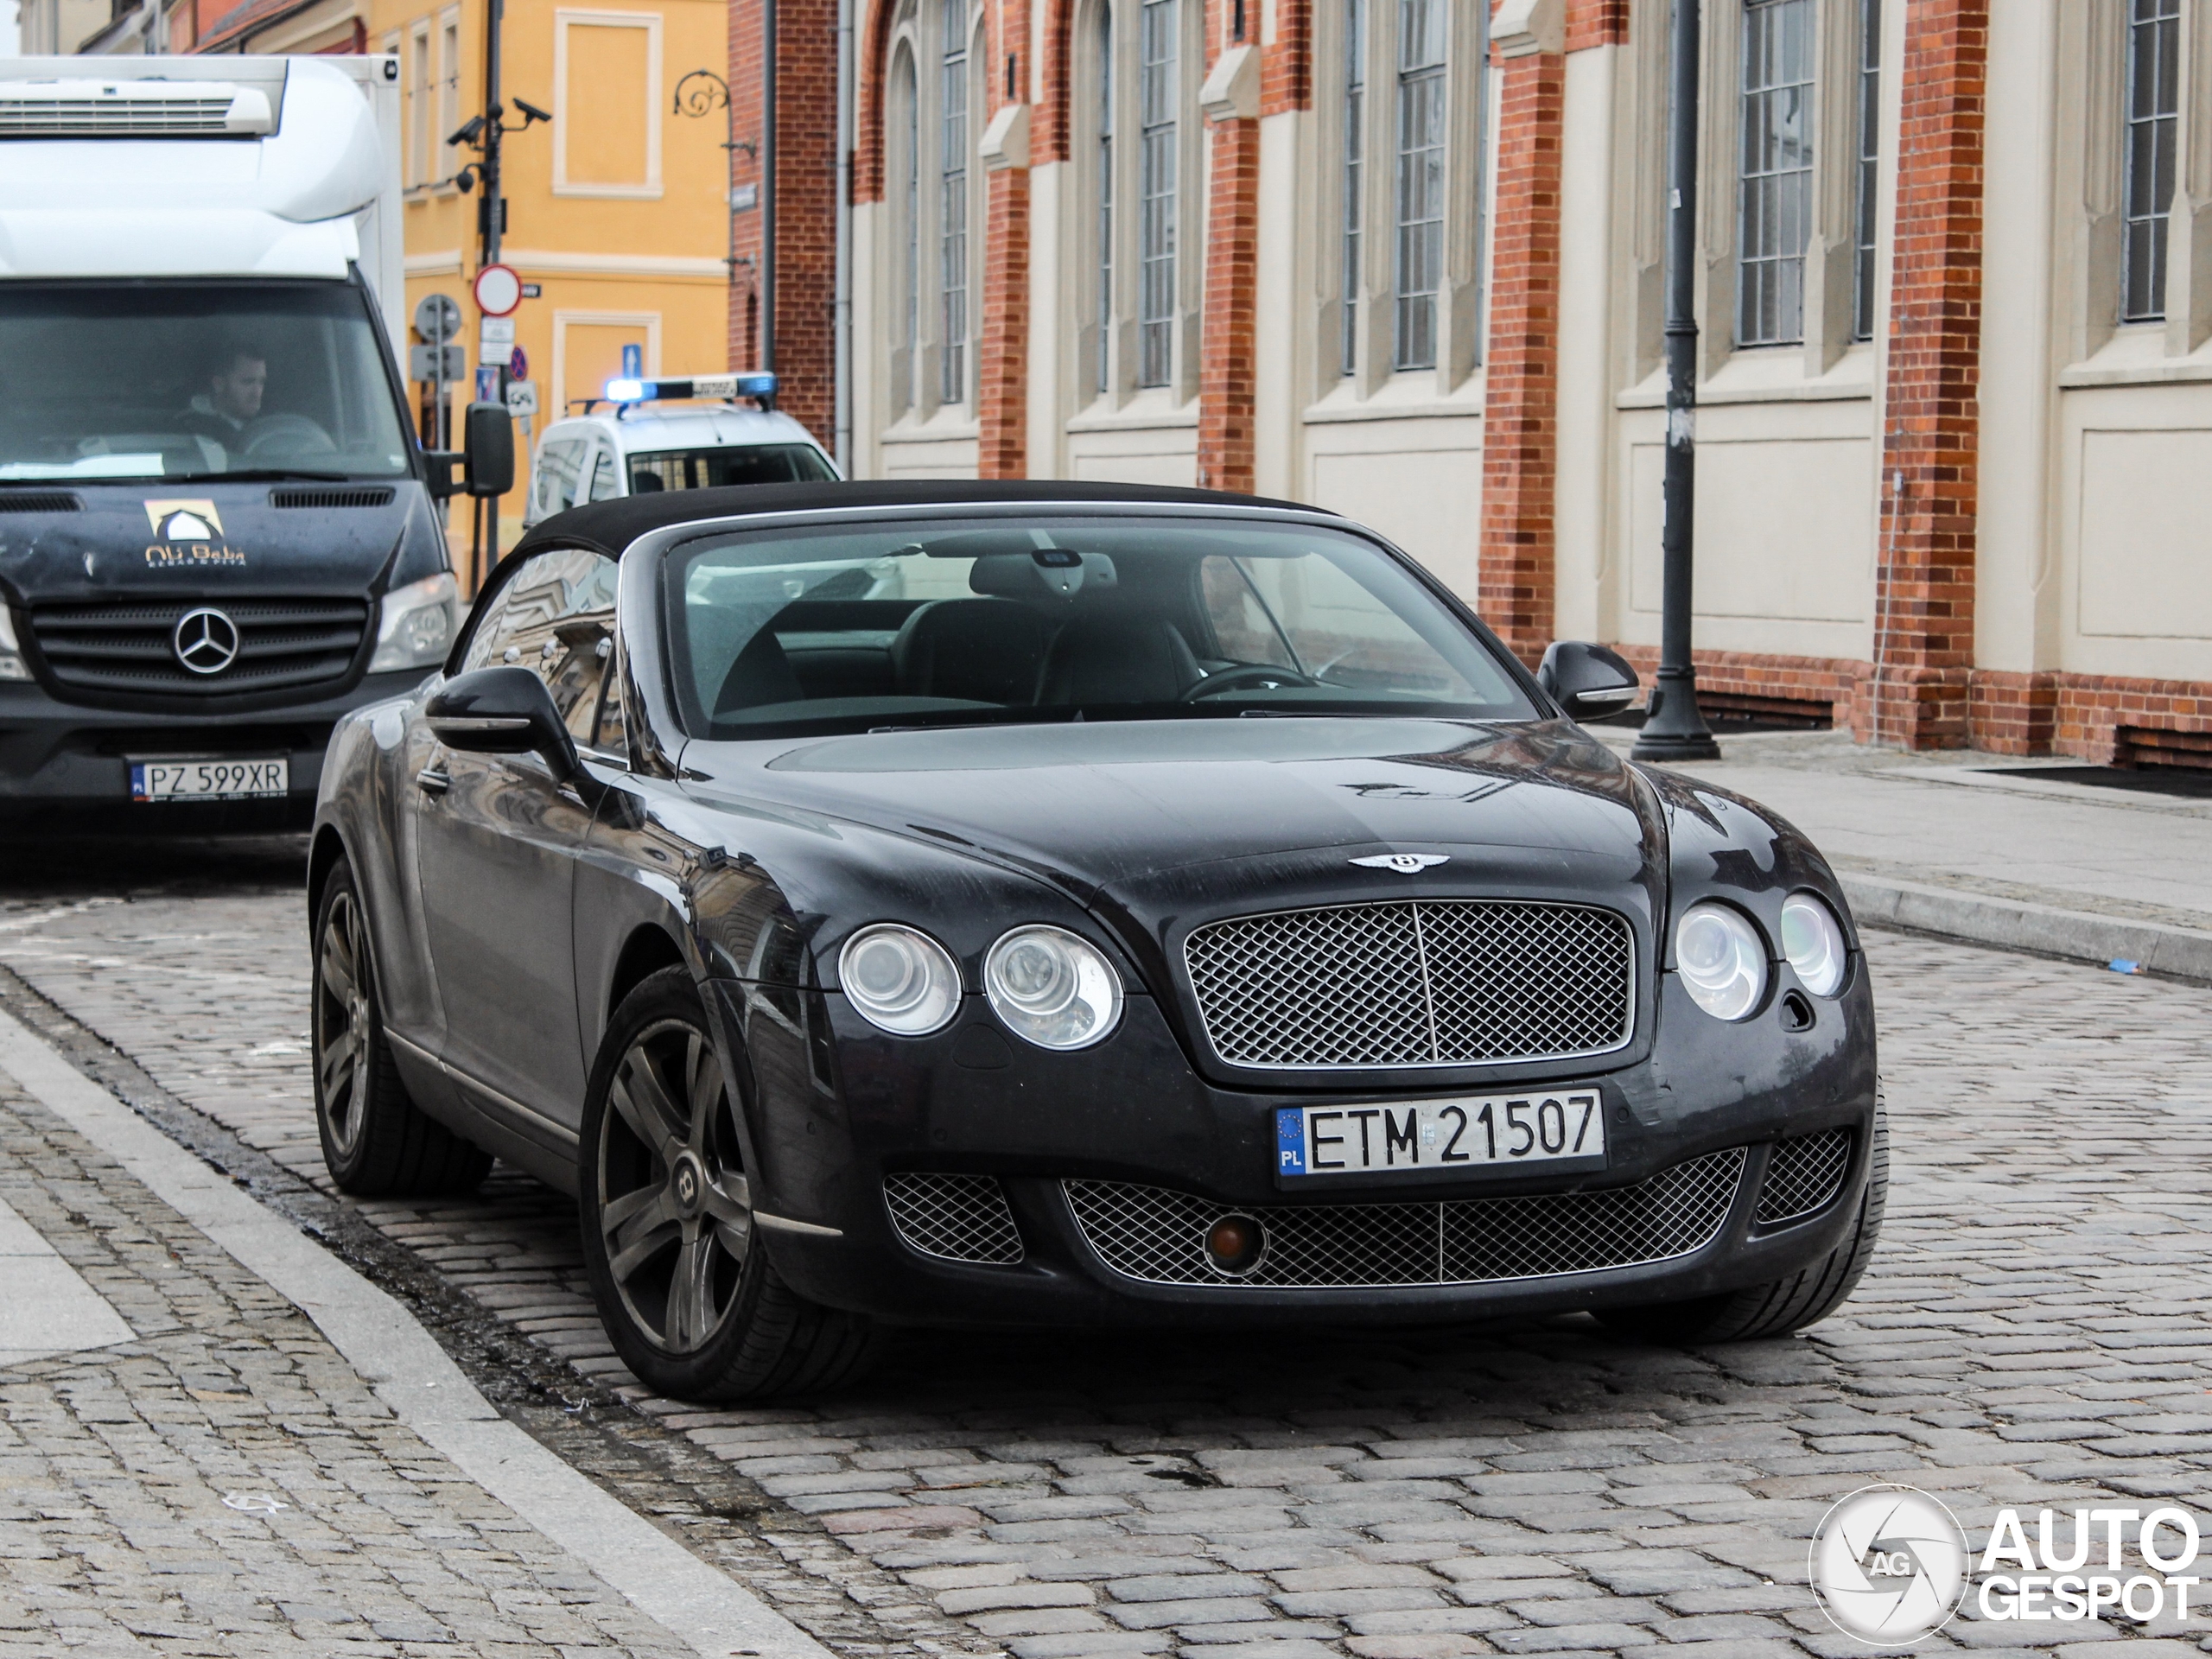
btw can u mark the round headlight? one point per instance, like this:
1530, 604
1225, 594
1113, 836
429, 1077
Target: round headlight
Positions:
1813, 942
1051, 987
1722, 962
900, 979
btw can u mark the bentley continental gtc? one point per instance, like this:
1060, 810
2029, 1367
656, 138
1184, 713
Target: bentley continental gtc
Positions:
1052, 905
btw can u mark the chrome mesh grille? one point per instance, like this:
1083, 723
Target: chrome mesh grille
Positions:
955, 1218
1430, 981
1803, 1175
1157, 1235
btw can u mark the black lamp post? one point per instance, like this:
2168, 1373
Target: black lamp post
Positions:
1674, 729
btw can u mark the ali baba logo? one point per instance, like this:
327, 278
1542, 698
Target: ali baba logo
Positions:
188, 531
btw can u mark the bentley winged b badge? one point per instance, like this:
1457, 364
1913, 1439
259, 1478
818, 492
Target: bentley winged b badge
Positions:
1403, 863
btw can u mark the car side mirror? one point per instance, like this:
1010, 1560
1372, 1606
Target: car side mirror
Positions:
506, 711
488, 448
1589, 681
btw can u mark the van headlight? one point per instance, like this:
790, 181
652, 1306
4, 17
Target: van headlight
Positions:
415, 624
1721, 959
11, 654
899, 980
1052, 988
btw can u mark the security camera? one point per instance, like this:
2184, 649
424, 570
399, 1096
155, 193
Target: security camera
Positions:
530, 111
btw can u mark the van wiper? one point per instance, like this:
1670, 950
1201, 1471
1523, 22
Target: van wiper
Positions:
265, 475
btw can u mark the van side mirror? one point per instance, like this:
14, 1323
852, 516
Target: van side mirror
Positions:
506, 711
1589, 681
488, 445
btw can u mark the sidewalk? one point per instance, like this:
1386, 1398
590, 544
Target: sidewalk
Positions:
216, 1439
1982, 847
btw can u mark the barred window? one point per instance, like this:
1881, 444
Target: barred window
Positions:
1867, 208
1354, 178
952, 212
1774, 172
1420, 179
1157, 95
2153, 118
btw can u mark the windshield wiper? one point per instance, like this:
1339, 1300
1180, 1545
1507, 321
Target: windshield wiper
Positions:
264, 475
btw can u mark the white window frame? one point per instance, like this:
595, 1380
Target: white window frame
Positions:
1107, 334
448, 82
914, 354
1360, 293
564, 321
421, 143
564, 20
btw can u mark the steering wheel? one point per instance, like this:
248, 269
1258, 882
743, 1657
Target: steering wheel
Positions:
1244, 675
288, 434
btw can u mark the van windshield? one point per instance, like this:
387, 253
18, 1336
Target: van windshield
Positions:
146, 379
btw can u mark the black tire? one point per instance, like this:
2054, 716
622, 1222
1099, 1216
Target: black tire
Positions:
1787, 1304
683, 1281
377, 1143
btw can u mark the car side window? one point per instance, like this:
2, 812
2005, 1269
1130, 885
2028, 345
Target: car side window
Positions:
558, 464
606, 481
554, 616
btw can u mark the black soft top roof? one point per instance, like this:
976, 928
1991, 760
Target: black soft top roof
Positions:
610, 526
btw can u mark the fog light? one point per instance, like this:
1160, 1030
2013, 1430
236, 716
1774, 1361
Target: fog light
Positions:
1235, 1244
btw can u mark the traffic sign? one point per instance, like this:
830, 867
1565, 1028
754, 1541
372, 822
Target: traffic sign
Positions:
522, 397
518, 366
423, 363
437, 318
498, 290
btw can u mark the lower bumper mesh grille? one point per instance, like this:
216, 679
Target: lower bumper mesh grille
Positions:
1158, 1235
1803, 1175
954, 1217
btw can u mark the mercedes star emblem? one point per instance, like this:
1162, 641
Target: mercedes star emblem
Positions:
206, 641
1403, 863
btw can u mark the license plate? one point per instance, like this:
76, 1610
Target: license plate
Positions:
1428, 1137
209, 780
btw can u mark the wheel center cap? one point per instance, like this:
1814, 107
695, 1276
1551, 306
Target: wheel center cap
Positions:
688, 1183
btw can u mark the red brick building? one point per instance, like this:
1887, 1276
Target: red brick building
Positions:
1403, 258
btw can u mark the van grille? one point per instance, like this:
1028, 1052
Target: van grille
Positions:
129, 647
377, 497
39, 501
55, 117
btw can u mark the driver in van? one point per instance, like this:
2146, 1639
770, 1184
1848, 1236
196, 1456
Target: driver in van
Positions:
232, 401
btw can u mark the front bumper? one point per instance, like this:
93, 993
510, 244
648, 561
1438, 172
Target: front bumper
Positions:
834, 1107
62, 762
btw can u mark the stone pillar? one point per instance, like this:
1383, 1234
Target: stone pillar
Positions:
1514, 584
1228, 334
1924, 575
1002, 351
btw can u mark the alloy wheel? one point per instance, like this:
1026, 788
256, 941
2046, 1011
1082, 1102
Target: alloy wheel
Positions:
674, 1208
341, 1023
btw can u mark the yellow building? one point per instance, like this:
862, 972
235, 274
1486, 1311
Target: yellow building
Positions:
617, 210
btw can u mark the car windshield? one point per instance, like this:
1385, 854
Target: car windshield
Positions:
979, 622
713, 468
154, 380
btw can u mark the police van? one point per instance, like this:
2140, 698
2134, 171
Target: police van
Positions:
625, 444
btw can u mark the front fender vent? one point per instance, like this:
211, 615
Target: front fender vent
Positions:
1803, 1176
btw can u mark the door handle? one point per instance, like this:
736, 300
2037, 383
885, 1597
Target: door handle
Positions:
433, 780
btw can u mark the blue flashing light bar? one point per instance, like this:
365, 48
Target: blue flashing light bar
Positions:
627, 390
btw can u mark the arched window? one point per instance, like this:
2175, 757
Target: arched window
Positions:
928, 259
1135, 75
1403, 299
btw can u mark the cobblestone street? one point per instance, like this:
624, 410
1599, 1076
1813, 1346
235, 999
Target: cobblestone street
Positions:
2033, 1331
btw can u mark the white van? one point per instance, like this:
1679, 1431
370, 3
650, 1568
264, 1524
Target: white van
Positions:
621, 446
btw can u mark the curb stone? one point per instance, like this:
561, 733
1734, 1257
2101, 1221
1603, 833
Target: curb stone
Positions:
1982, 918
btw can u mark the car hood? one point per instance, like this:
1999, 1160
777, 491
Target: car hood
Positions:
1132, 807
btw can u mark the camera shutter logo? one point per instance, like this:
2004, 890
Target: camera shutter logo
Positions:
185, 520
1889, 1564
206, 641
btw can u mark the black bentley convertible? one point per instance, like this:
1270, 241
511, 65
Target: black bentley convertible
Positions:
1054, 903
